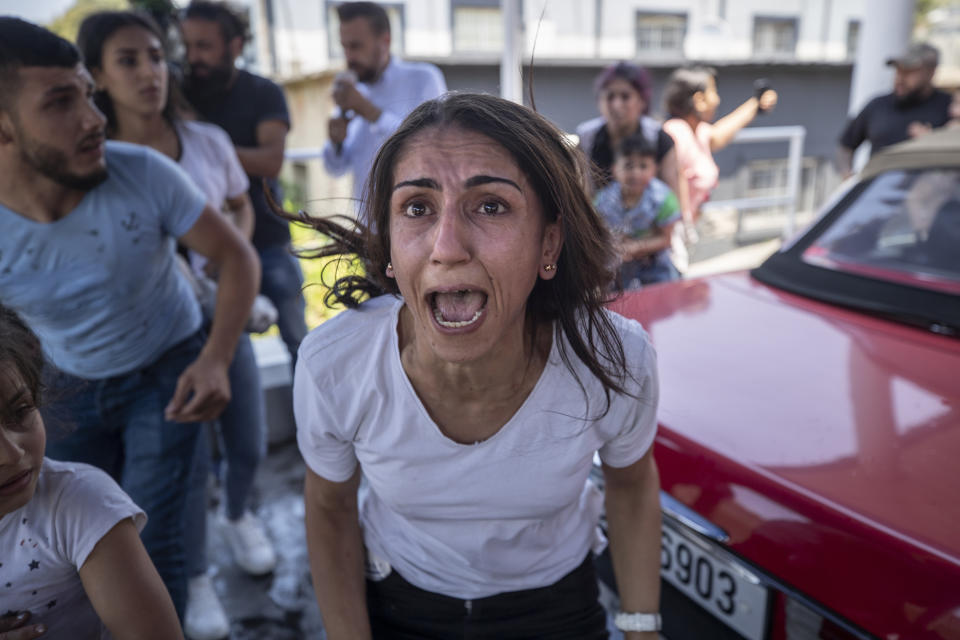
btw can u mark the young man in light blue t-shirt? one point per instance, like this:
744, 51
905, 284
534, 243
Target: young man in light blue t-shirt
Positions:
87, 233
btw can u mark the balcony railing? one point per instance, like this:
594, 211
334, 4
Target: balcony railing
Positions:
794, 135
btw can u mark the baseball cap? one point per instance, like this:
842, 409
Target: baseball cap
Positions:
918, 55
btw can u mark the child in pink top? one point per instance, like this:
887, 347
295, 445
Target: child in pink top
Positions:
695, 161
691, 100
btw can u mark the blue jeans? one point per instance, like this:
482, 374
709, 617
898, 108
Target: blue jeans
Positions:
243, 438
117, 424
282, 283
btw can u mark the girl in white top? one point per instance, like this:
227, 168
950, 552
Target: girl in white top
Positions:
72, 565
473, 395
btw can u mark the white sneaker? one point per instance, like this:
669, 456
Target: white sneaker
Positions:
252, 549
205, 618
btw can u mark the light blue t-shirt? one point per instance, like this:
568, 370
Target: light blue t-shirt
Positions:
100, 286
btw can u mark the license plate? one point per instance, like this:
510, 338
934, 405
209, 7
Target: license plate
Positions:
715, 580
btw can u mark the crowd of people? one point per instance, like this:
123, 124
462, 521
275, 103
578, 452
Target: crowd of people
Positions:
449, 418
642, 194
122, 198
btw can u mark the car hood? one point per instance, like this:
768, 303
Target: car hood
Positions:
835, 410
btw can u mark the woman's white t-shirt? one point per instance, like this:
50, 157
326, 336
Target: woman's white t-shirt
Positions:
208, 156
210, 159
512, 512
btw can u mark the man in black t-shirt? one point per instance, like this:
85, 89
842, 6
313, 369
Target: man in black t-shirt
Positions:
253, 111
914, 107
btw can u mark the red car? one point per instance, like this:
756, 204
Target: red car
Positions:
809, 443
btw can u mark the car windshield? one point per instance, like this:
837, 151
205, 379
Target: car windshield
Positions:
904, 227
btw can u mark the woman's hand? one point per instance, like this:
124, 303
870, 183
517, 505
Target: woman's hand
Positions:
16, 627
649, 245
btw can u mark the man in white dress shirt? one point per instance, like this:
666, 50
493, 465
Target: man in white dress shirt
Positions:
375, 96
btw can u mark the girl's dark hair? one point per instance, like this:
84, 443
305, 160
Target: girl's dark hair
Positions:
637, 76
681, 87
96, 29
574, 298
21, 349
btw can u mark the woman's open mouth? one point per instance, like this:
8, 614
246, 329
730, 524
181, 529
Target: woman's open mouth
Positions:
458, 309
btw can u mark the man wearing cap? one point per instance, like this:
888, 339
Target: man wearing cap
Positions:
914, 106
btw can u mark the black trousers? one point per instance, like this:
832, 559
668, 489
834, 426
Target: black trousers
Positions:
565, 610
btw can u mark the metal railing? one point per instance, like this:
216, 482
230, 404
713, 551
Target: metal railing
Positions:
795, 136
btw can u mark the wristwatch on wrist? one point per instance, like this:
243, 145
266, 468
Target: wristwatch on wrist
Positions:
637, 621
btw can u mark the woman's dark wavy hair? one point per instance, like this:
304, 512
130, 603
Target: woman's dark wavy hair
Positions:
683, 84
94, 32
20, 349
574, 298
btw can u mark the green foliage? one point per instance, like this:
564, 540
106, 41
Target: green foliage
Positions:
923, 7
67, 24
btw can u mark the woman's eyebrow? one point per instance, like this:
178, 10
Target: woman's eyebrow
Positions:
419, 182
476, 181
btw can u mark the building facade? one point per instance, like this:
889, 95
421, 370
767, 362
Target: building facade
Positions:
804, 48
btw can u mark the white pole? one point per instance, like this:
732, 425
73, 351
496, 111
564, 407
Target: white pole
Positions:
884, 33
793, 181
511, 83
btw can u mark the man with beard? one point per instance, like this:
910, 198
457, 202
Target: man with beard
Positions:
87, 230
913, 108
253, 111
368, 113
